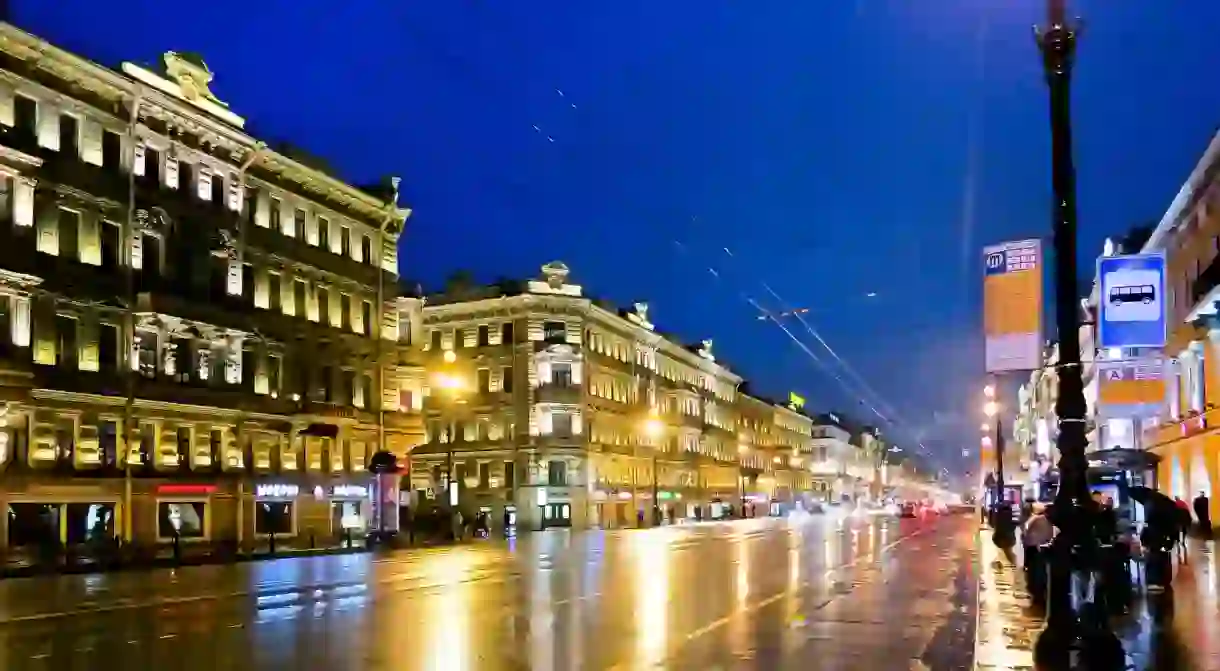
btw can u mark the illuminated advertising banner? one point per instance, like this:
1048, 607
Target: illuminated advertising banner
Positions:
1131, 382
1012, 306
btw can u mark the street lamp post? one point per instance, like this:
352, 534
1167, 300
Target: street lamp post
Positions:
1001, 514
1063, 639
453, 387
654, 429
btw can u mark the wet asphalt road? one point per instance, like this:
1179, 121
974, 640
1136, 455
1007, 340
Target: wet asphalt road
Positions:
825, 592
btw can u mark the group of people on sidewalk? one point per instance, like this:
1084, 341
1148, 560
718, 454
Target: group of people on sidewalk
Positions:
1163, 531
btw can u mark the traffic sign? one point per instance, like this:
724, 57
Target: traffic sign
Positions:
1131, 303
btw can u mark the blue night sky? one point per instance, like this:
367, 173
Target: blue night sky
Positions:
836, 148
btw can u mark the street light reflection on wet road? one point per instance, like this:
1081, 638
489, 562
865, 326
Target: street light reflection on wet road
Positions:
820, 592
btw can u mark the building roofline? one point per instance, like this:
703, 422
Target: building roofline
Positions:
131, 87
1185, 196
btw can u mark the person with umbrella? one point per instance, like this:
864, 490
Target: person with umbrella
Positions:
1161, 532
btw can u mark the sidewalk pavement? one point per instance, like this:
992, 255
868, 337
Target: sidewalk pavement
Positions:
1178, 631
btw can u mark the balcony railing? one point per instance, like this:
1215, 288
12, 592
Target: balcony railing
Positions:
112, 382
1203, 290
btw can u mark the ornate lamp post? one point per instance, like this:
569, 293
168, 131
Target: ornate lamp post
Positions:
1065, 643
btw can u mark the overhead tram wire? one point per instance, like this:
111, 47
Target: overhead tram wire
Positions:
787, 310
847, 368
465, 68
897, 423
771, 316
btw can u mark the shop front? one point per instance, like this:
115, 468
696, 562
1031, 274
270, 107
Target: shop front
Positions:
1189, 458
350, 509
41, 517
276, 509
312, 513
554, 508
613, 509
184, 512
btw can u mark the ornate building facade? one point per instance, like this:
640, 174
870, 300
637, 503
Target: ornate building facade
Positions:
197, 333
550, 408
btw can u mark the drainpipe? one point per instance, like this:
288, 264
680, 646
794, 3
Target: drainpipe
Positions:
391, 213
129, 315
241, 256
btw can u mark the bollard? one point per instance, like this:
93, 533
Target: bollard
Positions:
271, 543
313, 538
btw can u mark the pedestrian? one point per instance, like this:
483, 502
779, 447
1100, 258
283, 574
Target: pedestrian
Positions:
1184, 522
1037, 533
1203, 514
1158, 538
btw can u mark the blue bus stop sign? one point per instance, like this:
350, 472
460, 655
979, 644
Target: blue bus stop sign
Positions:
1131, 301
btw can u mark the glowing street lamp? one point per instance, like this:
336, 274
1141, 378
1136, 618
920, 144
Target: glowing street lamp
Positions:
654, 430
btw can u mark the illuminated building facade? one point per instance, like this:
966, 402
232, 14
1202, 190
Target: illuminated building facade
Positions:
551, 408
191, 323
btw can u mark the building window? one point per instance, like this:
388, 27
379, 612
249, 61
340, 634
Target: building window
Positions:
436, 340
65, 341
557, 473
366, 309
366, 249
324, 306
459, 338
484, 338
298, 224
146, 353
274, 517
218, 191
561, 425
509, 475
181, 519
33, 524
345, 312
554, 332
561, 375
69, 233
274, 368
111, 238
484, 475
484, 380
108, 443
323, 233
152, 166
298, 295
273, 290
345, 241
184, 445
506, 333
69, 135
108, 347
111, 149
25, 117
347, 392
274, 213
506, 379
247, 280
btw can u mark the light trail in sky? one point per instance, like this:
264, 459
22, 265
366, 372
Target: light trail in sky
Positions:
857, 387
